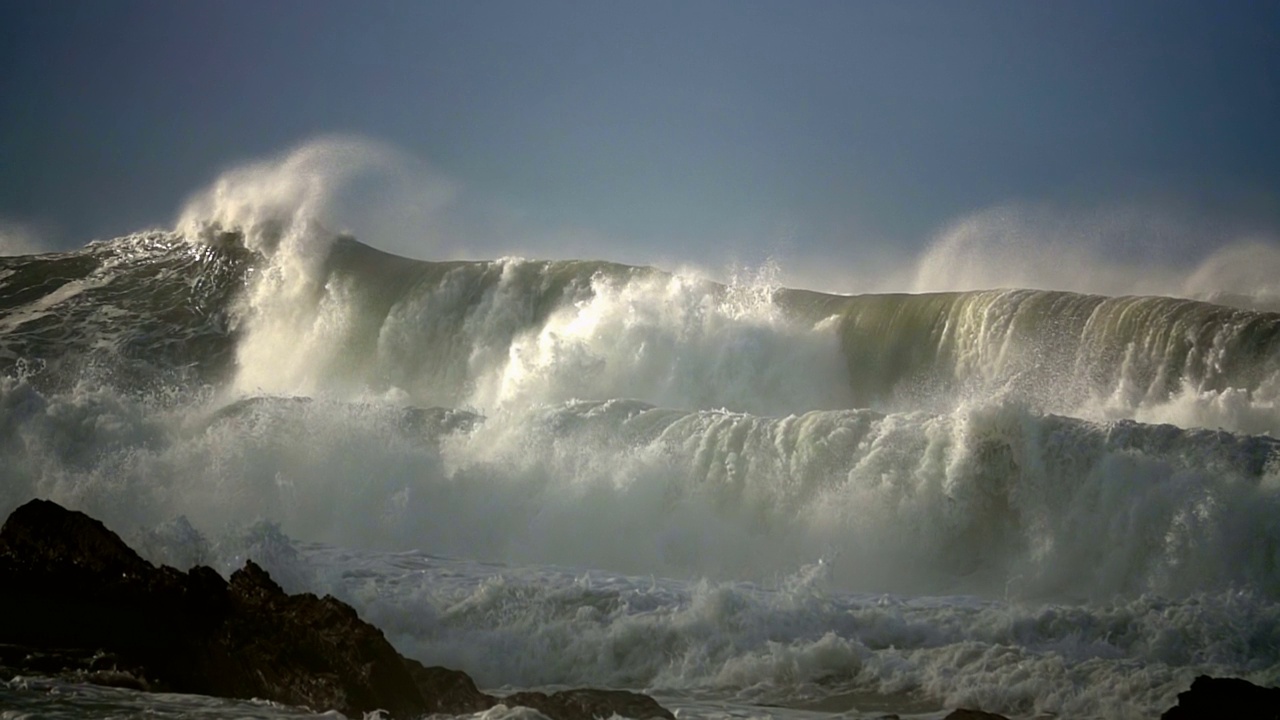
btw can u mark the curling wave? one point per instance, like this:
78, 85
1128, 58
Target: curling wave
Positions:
349, 321
1096, 476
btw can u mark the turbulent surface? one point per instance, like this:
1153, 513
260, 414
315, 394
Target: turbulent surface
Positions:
139, 310
748, 499
357, 321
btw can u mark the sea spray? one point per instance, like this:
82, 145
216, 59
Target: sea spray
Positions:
1085, 355
967, 502
734, 494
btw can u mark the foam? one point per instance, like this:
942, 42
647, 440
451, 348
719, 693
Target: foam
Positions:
989, 500
799, 641
647, 479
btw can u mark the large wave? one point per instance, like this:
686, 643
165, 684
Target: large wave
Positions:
986, 440
988, 500
356, 323
685, 427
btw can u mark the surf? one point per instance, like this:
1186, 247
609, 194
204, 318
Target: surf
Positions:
729, 491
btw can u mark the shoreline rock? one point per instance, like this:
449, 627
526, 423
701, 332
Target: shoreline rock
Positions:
1212, 698
80, 603
966, 714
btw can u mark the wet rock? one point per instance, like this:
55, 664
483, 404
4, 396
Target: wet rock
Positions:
448, 691
73, 584
1225, 698
79, 603
963, 714
453, 691
588, 704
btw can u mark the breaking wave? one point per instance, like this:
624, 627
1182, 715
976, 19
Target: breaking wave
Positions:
1077, 483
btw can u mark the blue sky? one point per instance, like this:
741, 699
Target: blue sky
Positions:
706, 128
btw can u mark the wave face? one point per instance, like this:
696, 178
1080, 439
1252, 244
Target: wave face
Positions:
358, 323
147, 310
1016, 445
735, 405
1064, 352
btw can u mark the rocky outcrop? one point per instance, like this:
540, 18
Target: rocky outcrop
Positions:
590, 704
963, 714
452, 691
79, 602
1225, 698
973, 715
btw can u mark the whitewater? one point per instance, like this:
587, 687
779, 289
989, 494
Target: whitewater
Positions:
744, 499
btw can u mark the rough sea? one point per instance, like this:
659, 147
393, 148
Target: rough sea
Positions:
746, 500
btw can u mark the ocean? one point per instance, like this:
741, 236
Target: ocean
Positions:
747, 500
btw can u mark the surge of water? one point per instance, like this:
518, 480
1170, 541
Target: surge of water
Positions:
799, 644
625, 476
983, 500
1162, 359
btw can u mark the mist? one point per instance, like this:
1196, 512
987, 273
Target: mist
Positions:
396, 202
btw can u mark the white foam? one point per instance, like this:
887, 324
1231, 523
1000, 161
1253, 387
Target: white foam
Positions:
986, 499
800, 641
671, 341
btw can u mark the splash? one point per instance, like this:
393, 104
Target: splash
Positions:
1104, 252
1243, 275
988, 500
18, 239
626, 476
285, 210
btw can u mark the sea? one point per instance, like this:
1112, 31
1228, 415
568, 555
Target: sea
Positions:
747, 500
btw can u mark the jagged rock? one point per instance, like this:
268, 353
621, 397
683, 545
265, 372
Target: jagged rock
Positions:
448, 691
72, 583
588, 704
963, 714
1225, 698
80, 603
453, 691
44, 536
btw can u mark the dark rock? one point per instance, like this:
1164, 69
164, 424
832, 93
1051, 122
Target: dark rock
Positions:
452, 691
46, 536
79, 603
448, 691
116, 679
71, 583
305, 650
964, 714
588, 704
1225, 698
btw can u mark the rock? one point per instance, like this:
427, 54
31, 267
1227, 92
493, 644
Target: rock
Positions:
964, 714
452, 691
589, 704
46, 536
448, 690
1225, 698
79, 603
72, 584
305, 650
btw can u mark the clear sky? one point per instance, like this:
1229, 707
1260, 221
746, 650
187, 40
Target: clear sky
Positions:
705, 128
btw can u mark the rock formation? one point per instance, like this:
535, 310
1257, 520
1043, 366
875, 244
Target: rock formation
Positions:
79, 602
1225, 698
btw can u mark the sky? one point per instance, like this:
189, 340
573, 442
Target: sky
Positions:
822, 133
